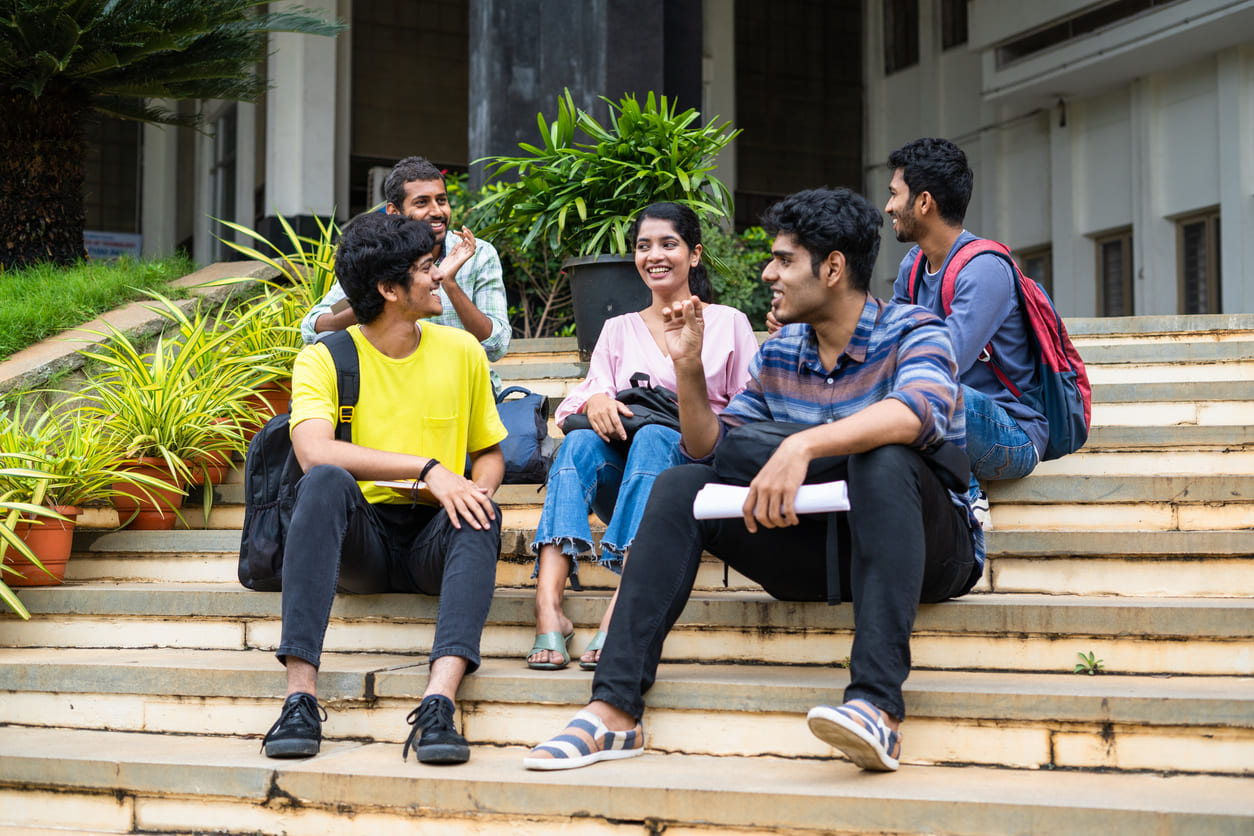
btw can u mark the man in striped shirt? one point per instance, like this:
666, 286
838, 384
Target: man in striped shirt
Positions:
874, 386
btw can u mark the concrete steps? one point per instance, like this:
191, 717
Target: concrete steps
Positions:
991, 632
1139, 549
227, 782
1177, 724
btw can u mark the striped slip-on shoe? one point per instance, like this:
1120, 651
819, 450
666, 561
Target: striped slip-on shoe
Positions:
585, 741
856, 729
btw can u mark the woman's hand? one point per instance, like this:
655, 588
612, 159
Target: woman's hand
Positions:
604, 414
684, 329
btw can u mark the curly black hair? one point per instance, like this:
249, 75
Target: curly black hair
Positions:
375, 248
938, 167
828, 220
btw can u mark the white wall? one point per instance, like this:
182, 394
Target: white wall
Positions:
1140, 153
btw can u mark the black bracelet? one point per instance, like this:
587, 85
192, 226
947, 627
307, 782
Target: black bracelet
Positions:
427, 469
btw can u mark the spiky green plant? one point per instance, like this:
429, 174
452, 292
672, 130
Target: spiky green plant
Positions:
63, 59
579, 197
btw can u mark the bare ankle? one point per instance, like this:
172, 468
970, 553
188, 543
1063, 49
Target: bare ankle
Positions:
614, 718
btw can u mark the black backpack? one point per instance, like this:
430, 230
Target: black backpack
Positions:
271, 472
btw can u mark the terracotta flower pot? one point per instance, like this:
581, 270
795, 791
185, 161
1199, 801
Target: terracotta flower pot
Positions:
137, 506
51, 541
268, 401
211, 468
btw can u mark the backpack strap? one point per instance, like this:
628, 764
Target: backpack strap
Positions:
916, 277
347, 379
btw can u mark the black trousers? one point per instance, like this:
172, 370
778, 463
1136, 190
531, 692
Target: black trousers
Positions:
338, 541
902, 542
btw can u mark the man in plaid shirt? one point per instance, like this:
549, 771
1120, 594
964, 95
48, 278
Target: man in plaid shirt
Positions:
473, 297
870, 394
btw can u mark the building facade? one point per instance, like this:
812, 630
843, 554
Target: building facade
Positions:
1112, 141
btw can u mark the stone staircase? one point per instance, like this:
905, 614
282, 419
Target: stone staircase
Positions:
1139, 549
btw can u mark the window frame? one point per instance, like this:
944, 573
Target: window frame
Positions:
1212, 241
1044, 251
1122, 236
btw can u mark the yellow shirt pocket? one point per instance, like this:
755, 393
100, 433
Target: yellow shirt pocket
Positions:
440, 440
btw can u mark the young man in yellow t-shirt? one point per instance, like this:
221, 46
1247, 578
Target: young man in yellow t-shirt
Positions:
425, 400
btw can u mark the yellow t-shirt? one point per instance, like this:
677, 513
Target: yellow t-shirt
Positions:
437, 402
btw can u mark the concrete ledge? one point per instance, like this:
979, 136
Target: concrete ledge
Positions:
997, 614
228, 675
1123, 488
31, 367
1112, 326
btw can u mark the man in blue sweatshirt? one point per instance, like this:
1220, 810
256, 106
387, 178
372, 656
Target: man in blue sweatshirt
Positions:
929, 193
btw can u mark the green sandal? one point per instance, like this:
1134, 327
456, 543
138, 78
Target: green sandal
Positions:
598, 642
554, 642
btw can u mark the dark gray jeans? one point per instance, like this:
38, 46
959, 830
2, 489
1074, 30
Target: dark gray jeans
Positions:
901, 542
338, 541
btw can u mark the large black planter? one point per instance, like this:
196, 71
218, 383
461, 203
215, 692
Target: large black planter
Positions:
603, 286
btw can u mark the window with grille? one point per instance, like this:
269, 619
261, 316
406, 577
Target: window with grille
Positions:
222, 178
1198, 263
901, 35
1114, 273
1038, 263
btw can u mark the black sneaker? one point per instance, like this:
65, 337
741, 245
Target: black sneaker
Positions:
440, 742
298, 731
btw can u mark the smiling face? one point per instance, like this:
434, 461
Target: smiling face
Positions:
426, 200
420, 298
664, 259
798, 294
900, 209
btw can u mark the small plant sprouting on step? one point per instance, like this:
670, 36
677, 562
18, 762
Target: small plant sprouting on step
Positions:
843, 663
1089, 663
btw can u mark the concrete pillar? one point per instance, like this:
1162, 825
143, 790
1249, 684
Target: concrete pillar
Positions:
1075, 285
1236, 181
245, 169
159, 198
343, 111
301, 127
523, 53
1153, 236
718, 76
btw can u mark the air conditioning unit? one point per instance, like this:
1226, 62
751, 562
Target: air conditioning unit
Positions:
374, 186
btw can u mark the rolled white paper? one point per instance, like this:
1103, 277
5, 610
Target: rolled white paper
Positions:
719, 502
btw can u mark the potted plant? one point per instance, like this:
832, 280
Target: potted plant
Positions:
580, 195
21, 503
161, 409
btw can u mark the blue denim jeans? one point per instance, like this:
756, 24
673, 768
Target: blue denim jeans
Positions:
339, 542
996, 446
589, 474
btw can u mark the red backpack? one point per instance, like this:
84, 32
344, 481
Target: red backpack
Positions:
1063, 394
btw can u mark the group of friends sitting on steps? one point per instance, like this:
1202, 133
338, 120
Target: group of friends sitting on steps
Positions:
886, 395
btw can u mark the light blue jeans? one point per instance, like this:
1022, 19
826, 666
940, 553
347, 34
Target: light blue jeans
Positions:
996, 446
589, 474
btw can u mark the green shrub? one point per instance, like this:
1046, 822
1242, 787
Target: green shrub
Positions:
735, 265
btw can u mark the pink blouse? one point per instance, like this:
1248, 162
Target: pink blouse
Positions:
626, 347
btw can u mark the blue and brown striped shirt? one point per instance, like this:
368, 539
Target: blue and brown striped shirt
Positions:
896, 351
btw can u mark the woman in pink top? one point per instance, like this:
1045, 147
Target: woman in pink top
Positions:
589, 472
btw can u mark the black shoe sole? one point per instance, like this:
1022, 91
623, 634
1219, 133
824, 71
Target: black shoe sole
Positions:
443, 753
292, 748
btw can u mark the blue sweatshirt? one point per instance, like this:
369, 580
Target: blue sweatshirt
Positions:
985, 308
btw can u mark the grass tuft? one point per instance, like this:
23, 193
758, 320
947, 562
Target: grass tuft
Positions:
41, 301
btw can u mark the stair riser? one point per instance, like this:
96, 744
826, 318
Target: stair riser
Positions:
930, 739
1205, 413
1044, 653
